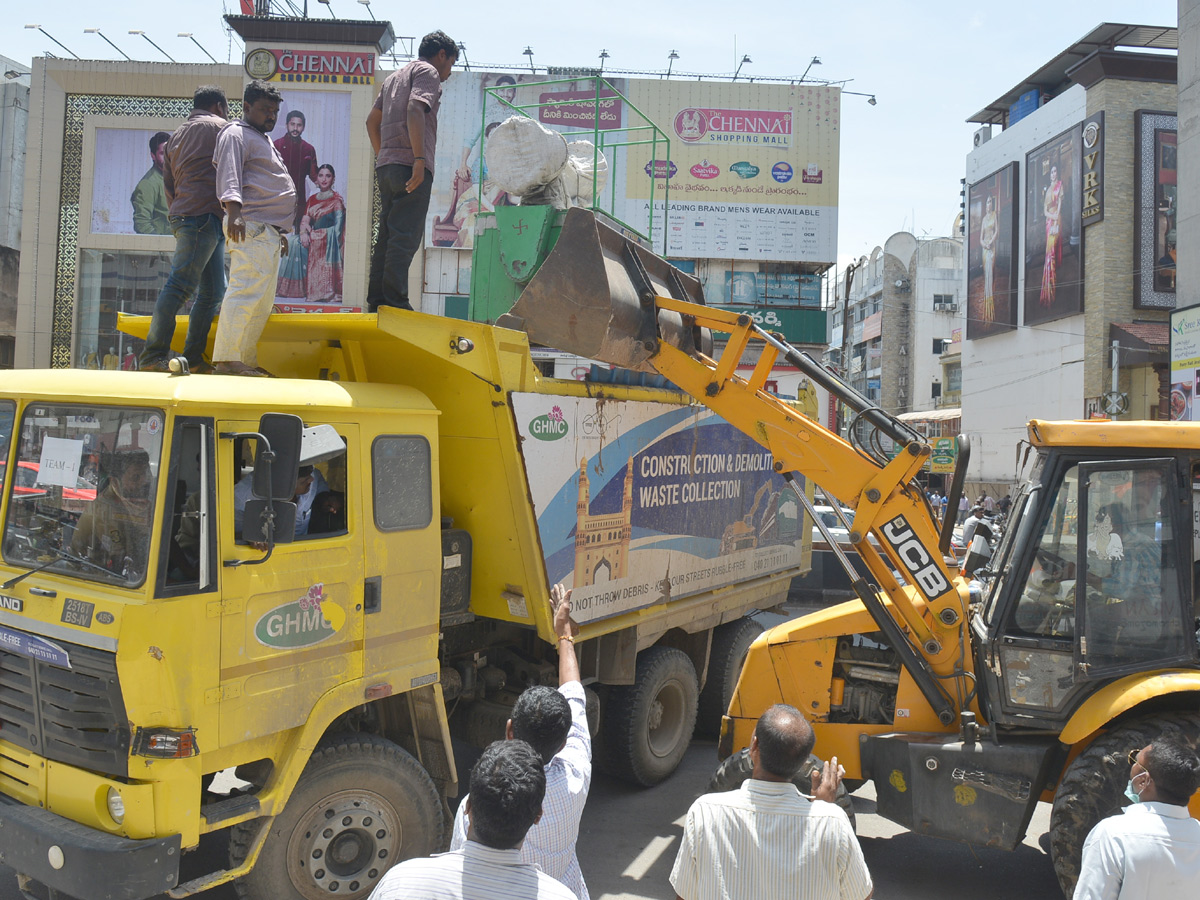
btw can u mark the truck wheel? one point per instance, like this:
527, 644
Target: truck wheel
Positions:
361, 805
647, 725
1094, 786
730, 643
736, 768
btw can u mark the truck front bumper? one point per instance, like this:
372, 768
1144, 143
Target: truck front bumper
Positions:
81, 861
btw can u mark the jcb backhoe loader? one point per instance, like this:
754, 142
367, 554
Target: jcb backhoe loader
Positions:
965, 702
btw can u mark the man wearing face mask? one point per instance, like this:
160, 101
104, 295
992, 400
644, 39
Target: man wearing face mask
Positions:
1153, 848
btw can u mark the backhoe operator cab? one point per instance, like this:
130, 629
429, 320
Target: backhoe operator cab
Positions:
1081, 644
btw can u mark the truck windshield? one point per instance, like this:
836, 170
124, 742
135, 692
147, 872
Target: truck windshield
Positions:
82, 491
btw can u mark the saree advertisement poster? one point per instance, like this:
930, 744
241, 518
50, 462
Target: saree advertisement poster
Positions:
1155, 205
992, 254
752, 170
312, 134
641, 503
1053, 229
467, 113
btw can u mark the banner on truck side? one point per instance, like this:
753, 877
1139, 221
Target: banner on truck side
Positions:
641, 503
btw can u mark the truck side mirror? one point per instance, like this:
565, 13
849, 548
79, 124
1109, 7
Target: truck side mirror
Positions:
269, 521
275, 478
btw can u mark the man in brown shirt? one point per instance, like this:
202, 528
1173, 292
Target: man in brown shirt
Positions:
198, 266
402, 127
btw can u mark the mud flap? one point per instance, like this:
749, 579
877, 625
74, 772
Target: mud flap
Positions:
594, 296
979, 793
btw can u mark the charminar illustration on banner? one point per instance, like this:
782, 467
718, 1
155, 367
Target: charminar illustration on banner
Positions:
651, 505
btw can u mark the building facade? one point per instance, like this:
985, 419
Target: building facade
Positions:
1070, 246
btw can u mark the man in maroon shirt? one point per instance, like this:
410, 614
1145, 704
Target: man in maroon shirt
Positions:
402, 127
198, 266
300, 157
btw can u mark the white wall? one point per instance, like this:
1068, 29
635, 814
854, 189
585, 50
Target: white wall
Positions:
939, 271
1032, 372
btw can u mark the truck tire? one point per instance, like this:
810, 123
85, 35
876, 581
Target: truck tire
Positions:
1093, 787
736, 768
647, 726
361, 805
730, 643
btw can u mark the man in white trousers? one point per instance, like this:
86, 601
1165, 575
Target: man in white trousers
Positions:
259, 199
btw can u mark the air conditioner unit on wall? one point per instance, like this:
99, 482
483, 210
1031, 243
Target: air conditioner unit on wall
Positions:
983, 135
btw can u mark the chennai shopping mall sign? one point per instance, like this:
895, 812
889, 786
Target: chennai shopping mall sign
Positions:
311, 66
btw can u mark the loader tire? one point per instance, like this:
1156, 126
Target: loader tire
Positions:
1093, 787
730, 644
361, 805
736, 768
647, 726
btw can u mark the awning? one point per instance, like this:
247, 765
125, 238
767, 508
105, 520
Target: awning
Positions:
1141, 343
933, 415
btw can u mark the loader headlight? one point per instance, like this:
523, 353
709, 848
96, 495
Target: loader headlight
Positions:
116, 806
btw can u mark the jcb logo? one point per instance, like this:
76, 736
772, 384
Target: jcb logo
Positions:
916, 559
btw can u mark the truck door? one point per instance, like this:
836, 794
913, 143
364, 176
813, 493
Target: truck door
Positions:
291, 627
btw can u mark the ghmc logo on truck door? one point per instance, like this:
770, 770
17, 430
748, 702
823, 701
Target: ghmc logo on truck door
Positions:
301, 623
921, 567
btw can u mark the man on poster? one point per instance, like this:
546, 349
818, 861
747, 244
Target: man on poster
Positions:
149, 198
402, 127
300, 157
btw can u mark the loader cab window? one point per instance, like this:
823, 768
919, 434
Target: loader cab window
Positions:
320, 497
1138, 540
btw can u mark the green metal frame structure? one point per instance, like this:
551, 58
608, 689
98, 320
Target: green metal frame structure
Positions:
632, 134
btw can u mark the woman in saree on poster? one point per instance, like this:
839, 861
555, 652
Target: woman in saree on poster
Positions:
988, 232
1052, 207
323, 236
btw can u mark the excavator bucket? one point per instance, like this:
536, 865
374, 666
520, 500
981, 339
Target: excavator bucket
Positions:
594, 294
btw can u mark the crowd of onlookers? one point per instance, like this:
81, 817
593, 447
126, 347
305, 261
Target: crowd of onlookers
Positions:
515, 833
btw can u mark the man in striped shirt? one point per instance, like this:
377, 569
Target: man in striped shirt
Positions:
507, 787
766, 839
555, 725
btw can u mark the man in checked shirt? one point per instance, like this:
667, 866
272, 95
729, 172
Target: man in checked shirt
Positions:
555, 724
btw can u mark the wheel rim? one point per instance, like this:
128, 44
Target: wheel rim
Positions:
667, 711
343, 844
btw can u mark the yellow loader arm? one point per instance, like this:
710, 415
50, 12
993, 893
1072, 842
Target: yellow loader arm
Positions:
923, 617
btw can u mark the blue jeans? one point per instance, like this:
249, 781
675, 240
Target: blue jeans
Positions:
198, 268
401, 226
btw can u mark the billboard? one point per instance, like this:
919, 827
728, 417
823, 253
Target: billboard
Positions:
636, 505
127, 182
1185, 364
312, 134
992, 254
1053, 230
752, 169
1155, 205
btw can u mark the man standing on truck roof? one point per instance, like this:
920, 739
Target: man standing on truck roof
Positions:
766, 839
402, 127
555, 724
259, 198
1153, 848
507, 788
198, 266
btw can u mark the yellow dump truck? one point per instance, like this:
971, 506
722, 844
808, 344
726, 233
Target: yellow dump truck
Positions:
181, 596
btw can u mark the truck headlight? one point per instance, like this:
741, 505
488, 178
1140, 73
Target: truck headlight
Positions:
116, 806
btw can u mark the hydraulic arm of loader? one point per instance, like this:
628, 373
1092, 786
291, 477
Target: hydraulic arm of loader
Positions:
925, 618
